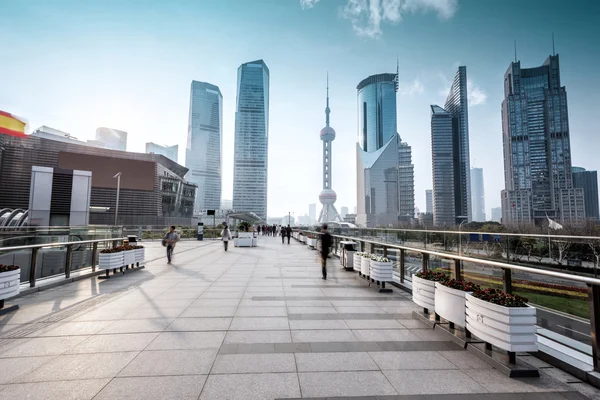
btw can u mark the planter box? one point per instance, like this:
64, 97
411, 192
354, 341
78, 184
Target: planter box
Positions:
509, 328
312, 243
9, 283
305, 239
129, 257
364, 265
140, 255
381, 271
357, 261
423, 293
450, 304
111, 260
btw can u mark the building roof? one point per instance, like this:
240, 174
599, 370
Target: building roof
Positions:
387, 77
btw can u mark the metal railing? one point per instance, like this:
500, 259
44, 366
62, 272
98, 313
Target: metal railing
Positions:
32, 255
456, 266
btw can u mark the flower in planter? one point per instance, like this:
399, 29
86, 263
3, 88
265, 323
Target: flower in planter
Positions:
432, 276
110, 251
8, 268
496, 296
379, 259
465, 286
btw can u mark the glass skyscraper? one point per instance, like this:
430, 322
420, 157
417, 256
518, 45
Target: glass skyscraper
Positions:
477, 195
537, 153
251, 139
113, 139
204, 144
450, 155
588, 181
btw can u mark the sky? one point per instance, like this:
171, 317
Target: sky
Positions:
128, 64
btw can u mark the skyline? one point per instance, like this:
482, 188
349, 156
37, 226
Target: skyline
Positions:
99, 76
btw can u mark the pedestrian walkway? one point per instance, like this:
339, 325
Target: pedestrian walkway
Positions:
252, 323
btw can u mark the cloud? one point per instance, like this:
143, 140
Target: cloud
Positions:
367, 16
408, 89
475, 94
306, 4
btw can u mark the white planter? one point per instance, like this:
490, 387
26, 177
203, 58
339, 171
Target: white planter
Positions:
9, 283
312, 243
305, 239
423, 293
140, 255
111, 260
364, 265
450, 304
128, 257
381, 271
357, 261
509, 328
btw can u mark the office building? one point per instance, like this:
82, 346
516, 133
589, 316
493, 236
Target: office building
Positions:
226, 204
171, 152
477, 195
450, 155
537, 149
588, 181
312, 213
251, 147
497, 214
385, 180
204, 144
57, 135
113, 139
429, 201
343, 212
425, 220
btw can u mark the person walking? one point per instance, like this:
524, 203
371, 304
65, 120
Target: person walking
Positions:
325, 246
225, 236
283, 231
288, 233
169, 240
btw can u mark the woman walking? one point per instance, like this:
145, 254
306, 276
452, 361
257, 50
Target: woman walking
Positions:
225, 236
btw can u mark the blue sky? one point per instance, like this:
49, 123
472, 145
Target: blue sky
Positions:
76, 65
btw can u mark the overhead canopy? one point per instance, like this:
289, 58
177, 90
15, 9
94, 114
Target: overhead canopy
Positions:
245, 216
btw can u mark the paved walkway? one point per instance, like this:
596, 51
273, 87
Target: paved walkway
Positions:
253, 323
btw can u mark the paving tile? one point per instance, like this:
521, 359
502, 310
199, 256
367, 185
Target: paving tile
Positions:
445, 382
311, 310
201, 303
308, 303
258, 337
14, 368
114, 343
413, 324
323, 336
465, 360
430, 334
261, 312
360, 310
80, 366
171, 362
317, 324
251, 386
199, 312
396, 360
187, 340
383, 335
335, 384
155, 313
373, 324
252, 303
259, 324
292, 348
315, 362
154, 388
199, 324
44, 346
71, 329
495, 381
137, 326
64, 390
253, 363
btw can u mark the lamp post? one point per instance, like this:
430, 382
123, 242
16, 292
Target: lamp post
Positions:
459, 235
118, 178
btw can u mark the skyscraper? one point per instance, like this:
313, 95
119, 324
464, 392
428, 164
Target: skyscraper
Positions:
450, 155
204, 144
171, 152
537, 149
497, 214
428, 201
312, 213
343, 212
384, 167
588, 181
251, 148
477, 195
112, 138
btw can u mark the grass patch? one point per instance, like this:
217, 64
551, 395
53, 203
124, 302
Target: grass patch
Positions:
577, 307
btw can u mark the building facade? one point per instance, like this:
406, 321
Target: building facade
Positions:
450, 155
588, 181
251, 149
497, 214
113, 139
204, 144
537, 149
343, 212
406, 184
477, 195
428, 201
312, 213
171, 152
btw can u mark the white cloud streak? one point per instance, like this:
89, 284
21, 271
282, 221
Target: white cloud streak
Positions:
475, 94
409, 89
306, 4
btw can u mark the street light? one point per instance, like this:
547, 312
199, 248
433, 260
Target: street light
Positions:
459, 235
118, 178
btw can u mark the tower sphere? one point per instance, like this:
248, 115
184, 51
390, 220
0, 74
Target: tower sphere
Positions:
327, 133
327, 196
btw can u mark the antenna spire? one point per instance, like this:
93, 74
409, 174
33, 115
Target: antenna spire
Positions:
553, 52
397, 80
327, 110
515, 50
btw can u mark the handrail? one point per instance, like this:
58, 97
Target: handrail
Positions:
57, 244
577, 278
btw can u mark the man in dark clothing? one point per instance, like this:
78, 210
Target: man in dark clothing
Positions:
325, 246
288, 233
283, 232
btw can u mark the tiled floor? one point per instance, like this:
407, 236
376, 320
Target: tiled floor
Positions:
252, 323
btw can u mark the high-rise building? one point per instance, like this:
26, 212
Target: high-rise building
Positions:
385, 184
113, 139
251, 148
537, 149
226, 204
312, 212
343, 212
497, 214
328, 196
428, 201
450, 155
204, 144
171, 152
588, 181
477, 195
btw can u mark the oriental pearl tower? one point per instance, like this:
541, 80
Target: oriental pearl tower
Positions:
327, 196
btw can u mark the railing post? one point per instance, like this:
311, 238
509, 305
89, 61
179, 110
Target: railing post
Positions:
425, 262
594, 303
456, 271
401, 265
68, 261
385, 251
507, 280
94, 255
33, 269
